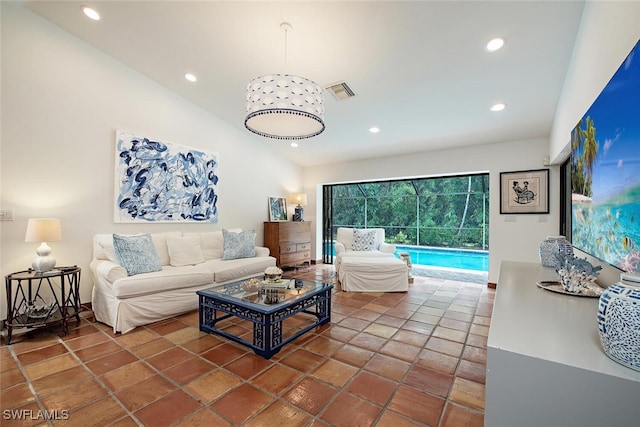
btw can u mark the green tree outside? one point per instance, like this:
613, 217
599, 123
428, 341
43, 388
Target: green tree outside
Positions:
442, 212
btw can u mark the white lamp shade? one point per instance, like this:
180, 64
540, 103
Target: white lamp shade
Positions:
283, 106
43, 230
299, 199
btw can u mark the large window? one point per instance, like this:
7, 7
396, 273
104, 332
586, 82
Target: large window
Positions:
441, 212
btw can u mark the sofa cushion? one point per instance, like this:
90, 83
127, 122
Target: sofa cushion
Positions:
160, 243
168, 279
136, 254
239, 245
212, 242
184, 250
363, 240
236, 269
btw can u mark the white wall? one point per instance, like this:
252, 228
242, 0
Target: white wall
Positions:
608, 31
62, 102
518, 240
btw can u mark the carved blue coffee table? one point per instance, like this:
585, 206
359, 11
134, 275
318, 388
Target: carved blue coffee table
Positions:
266, 309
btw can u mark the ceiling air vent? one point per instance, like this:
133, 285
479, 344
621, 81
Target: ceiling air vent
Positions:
341, 91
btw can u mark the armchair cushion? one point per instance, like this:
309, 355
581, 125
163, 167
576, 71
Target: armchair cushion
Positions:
388, 248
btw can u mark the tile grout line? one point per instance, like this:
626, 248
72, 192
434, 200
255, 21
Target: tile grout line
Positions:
99, 380
28, 382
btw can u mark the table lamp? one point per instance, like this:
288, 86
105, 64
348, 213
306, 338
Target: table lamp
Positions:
301, 200
43, 230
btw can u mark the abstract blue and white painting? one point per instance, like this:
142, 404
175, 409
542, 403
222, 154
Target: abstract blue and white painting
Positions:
163, 182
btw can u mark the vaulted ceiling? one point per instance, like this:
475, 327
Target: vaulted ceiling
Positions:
419, 69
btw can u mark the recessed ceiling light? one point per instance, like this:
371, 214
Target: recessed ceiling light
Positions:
498, 107
294, 144
374, 129
495, 44
90, 13
190, 77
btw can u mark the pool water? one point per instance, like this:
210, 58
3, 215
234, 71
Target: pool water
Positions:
448, 258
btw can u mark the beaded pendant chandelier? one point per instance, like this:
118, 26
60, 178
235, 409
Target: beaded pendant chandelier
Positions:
284, 106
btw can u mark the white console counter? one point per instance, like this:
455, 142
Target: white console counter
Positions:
545, 364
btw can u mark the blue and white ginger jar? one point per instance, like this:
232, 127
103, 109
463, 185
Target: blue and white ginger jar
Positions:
619, 324
551, 246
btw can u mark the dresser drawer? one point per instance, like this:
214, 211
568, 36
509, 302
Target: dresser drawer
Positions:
295, 258
288, 248
303, 247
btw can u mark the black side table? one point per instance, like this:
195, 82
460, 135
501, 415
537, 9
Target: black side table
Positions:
40, 299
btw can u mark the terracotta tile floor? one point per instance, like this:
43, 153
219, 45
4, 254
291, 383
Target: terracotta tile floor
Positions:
387, 359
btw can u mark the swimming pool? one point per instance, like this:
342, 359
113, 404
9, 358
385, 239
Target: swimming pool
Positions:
449, 258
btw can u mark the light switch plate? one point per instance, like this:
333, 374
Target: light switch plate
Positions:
6, 215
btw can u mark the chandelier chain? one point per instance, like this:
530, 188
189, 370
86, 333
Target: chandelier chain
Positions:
286, 30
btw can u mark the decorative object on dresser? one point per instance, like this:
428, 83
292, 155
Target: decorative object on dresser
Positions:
301, 200
43, 230
551, 246
277, 209
619, 321
289, 242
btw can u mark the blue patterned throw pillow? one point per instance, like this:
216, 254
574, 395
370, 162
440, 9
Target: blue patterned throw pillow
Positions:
136, 254
239, 245
363, 240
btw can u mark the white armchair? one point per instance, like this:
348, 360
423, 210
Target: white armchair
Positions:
345, 245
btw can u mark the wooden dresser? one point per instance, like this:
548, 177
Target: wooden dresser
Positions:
289, 242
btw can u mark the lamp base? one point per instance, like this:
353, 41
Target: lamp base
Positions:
299, 212
44, 261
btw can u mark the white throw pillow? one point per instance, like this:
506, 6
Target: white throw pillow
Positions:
185, 250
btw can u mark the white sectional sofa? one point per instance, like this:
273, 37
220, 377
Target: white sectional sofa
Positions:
187, 262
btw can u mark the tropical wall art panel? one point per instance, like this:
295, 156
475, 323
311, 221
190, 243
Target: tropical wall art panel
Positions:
163, 182
605, 171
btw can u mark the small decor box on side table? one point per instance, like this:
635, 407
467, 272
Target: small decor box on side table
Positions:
39, 299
